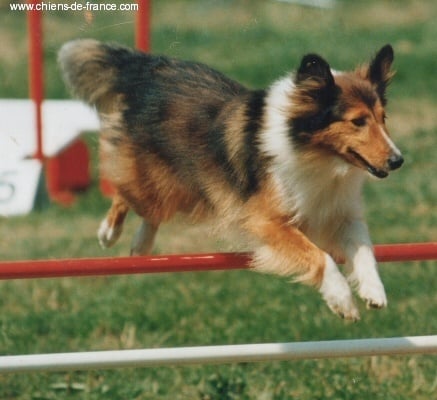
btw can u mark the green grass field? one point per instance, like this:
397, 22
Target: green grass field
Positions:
254, 42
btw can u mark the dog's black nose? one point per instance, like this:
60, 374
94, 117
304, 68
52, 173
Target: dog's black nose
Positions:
395, 161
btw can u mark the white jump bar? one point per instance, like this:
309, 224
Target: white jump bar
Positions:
219, 354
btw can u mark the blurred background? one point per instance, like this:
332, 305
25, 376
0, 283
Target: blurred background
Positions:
254, 42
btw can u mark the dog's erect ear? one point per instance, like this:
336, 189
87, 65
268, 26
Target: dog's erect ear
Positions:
379, 71
314, 97
315, 68
315, 83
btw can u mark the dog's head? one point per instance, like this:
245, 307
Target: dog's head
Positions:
344, 112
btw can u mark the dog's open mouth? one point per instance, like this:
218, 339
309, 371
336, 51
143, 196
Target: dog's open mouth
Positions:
379, 173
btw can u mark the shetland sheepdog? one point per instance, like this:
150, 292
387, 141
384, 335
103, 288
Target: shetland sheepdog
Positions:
286, 163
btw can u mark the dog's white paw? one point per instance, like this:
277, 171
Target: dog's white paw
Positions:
337, 293
108, 235
373, 294
365, 278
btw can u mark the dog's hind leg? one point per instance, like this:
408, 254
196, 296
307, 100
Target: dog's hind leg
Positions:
142, 242
111, 227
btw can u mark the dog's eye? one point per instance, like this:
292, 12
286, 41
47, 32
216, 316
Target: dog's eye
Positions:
361, 121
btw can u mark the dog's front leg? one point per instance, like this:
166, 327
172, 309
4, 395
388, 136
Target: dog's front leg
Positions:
286, 251
360, 260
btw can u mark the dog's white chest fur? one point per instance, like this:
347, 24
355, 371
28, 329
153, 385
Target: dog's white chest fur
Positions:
318, 191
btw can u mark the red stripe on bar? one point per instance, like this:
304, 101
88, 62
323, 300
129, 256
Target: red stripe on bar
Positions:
178, 263
36, 71
142, 32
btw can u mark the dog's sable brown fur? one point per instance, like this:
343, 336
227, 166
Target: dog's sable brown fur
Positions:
286, 163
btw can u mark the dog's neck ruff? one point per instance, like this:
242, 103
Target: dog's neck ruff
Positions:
314, 184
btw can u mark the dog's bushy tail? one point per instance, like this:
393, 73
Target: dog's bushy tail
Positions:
90, 69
